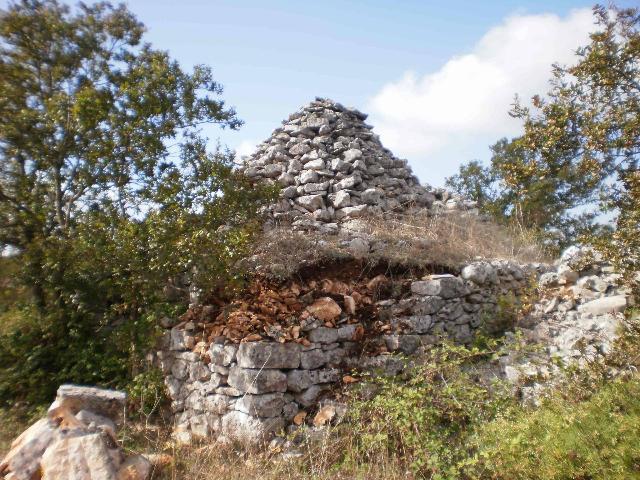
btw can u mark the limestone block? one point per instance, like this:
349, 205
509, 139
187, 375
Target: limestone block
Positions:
23, 460
445, 286
427, 306
268, 355
310, 202
371, 196
352, 154
308, 176
346, 332
604, 305
109, 403
298, 380
414, 323
480, 273
342, 199
323, 335
216, 403
222, 355
267, 405
248, 429
257, 381
84, 457
311, 359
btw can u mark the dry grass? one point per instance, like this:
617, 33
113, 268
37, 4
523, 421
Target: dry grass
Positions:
416, 240
320, 460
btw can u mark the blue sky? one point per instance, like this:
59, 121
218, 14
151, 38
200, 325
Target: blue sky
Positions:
436, 76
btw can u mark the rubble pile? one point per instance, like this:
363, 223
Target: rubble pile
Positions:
332, 167
579, 313
75, 441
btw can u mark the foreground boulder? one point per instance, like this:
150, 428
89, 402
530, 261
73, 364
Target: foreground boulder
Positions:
75, 441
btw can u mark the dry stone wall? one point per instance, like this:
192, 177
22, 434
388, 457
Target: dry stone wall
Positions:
254, 390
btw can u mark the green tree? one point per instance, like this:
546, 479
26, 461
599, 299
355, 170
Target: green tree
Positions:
106, 188
543, 202
580, 143
589, 123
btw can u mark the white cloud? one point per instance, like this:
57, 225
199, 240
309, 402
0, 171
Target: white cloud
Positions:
244, 148
466, 102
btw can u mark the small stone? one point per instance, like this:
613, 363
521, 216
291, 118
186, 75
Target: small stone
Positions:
352, 154
342, 199
310, 202
325, 309
349, 304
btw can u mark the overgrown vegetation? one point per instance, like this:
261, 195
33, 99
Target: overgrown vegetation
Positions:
109, 196
418, 240
579, 148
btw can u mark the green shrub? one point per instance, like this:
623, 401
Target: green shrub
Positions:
426, 417
591, 439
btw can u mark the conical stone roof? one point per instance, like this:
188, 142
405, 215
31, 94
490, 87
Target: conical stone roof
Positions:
333, 168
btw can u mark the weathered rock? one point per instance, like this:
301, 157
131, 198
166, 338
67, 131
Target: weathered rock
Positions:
439, 285
604, 305
310, 202
342, 199
323, 335
267, 405
269, 355
23, 460
248, 429
480, 273
311, 359
257, 381
325, 309
85, 457
136, 467
352, 154
109, 403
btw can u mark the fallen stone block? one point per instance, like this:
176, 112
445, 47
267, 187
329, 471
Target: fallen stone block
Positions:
108, 403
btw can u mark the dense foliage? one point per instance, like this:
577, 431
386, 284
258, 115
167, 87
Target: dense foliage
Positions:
580, 144
108, 194
444, 420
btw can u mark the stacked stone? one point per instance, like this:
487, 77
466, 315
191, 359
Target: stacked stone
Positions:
455, 306
580, 312
253, 390
332, 167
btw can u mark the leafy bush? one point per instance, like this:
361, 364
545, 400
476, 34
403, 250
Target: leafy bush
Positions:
426, 417
589, 439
